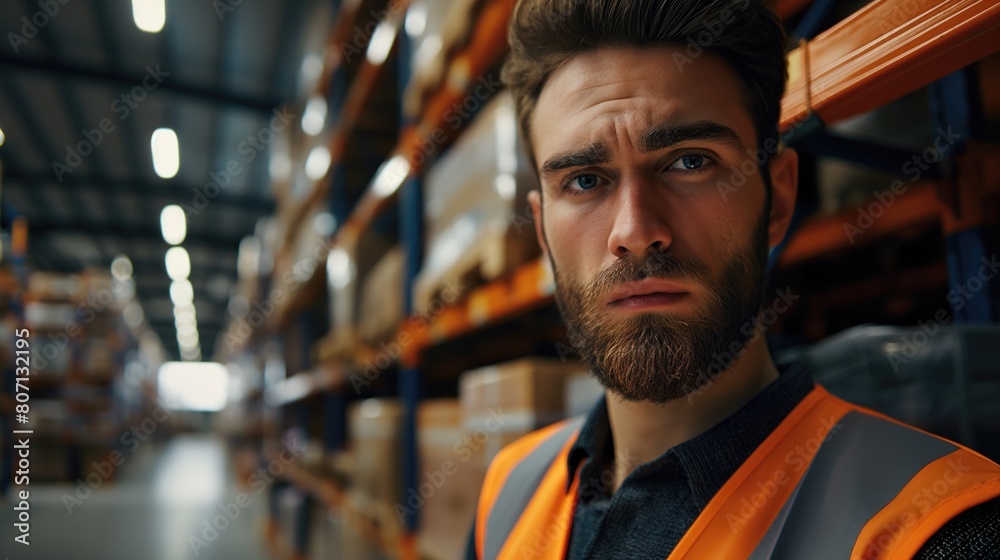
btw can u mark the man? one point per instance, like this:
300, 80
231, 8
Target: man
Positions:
652, 125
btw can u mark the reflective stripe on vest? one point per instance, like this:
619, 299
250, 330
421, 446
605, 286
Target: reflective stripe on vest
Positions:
833, 480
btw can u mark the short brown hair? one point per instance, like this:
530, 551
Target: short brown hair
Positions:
746, 34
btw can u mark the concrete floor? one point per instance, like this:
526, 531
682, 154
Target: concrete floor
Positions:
161, 500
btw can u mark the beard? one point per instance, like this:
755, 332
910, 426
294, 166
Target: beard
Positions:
659, 357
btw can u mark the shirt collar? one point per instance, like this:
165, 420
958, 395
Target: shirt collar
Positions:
709, 459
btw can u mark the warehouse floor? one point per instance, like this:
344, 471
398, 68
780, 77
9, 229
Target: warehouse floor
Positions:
161, 501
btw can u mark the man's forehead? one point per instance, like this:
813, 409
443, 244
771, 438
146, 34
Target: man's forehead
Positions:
642, 89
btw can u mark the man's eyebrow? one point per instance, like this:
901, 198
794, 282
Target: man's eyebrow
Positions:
652, 139
594, 154
660, 137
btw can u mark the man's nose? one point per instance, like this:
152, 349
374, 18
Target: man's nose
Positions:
640, 221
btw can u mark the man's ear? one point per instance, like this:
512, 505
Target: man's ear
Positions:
784, 169
535, 200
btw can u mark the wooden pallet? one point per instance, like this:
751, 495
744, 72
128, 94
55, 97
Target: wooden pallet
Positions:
490, 257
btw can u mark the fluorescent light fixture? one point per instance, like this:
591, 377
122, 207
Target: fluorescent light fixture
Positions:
198, 386
187, 339
312, 67
280, 166
133, 314
178, 263
248, 257
187, 329
391, 176
190, 356
416, 19
184, 315
121, 268
324, 223
149, 15
506, 185
318, 163
314, 117
381, 42
173, 224
339, 268
166, 152
3, 137
181, 292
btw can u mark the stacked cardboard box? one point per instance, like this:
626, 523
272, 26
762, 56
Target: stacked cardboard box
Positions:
503, 402
376, 434
382, 299
451, 474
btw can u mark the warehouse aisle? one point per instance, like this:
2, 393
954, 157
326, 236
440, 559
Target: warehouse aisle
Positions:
163, 500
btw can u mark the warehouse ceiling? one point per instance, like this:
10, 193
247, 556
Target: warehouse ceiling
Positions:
81, 91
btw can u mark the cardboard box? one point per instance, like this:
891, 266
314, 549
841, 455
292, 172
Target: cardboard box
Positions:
382, 299
502, 402
375, 427
453, 467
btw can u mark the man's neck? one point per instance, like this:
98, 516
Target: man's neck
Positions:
643, 431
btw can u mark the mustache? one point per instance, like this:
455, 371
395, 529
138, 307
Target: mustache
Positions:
667, 266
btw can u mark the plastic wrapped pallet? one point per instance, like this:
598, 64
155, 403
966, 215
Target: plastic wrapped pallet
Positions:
347, 268
503, 402
938, 377
475, 221
436, 28
382, 299
452, 470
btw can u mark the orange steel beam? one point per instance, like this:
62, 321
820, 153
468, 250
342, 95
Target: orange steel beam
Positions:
529, 286
839, 232
885, 50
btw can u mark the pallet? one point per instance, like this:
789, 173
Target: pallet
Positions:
490, 257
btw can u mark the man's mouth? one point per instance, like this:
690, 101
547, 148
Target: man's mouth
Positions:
651, 292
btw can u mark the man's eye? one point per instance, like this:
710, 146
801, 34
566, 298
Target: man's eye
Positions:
690, 162
585, 182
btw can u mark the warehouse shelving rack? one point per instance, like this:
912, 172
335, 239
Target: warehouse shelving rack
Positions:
880, 53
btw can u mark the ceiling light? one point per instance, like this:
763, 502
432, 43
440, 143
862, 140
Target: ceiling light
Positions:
381, 42
324, 223
149, 15
121, 268
339, 268
314, 117
318, 163
391, 176
187, 339
3, 137
187, 329
416, 19
178, 263
181, 292
312, 67
173, 224
133, 314
166, 152
184, 315
280, 166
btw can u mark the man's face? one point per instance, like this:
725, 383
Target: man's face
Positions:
659, 271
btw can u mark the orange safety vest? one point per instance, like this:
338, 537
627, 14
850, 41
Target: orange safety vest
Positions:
833, 480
